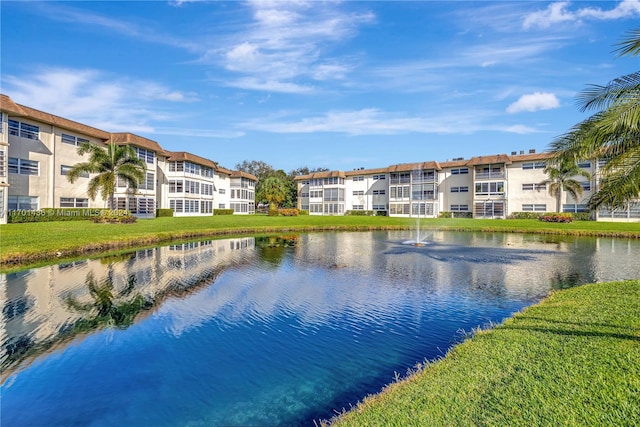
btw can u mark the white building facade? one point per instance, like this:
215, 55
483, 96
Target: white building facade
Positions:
494, 186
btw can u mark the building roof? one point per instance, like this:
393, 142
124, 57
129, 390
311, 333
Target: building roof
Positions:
358, 172
403, 167
17, 110
240, 174
177, 156
489, 160
531, 156
127, 138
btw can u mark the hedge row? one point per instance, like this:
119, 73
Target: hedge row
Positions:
223, 211
162, 213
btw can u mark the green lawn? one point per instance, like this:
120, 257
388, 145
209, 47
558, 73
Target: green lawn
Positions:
572, 360
31, 242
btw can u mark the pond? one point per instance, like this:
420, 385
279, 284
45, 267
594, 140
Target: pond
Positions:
265, 331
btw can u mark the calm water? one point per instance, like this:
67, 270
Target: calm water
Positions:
264, 331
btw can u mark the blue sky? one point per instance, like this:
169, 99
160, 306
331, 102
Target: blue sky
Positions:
329, 84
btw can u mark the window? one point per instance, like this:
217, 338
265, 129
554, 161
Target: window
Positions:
575, 208
489, 209
73, 140
176, 187
586, 186
333, 195
23, 130
534, 165
148, 183
191, 187
532, 187
333, 180
534, 208
399, 209
176, 205
586, 164
358, 207
358, 178
29, 203
459, 171
305, 182
73, 202
207, 172
222, 191
206, 189
379, 192
379, 176
3, 169
358, 193
401, 178
459, 208
65, 169
464, 189
221, 206
206, 206
379, 207
489, 188
24, 166
176, 167
146, 155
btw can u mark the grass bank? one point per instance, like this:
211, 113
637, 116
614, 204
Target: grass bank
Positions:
21, 244
573, 359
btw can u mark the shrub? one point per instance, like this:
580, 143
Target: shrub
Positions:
114, 217
524, 215
381, 213
556, 217
582, 216
446, 214
223, 211
273, 212
288, 212
359, 213
160, 213
303, 212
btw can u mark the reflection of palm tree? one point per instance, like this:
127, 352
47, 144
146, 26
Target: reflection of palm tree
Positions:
108, 309
273, 248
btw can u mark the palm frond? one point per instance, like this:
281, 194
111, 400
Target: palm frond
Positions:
631, 45
621, 89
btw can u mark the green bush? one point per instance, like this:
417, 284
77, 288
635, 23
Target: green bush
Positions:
524, 215
359, 213
223, 211
582, 216
58, 214
303, 212
161, 213
446, 214
381, 213
273, 212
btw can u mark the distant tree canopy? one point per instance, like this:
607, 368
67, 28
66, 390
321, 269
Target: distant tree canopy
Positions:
264, 170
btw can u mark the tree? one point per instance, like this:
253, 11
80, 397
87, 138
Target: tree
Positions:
612, 134
273, 190
561, 178
111, 163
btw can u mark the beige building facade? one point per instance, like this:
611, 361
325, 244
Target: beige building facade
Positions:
38, 149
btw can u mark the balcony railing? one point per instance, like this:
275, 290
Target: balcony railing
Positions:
489, 175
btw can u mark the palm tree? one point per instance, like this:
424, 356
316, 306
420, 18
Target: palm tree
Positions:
612, 133
273, 190
111, 163
561, 178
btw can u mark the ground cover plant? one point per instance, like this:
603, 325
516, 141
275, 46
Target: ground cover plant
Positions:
35, 242
573, 359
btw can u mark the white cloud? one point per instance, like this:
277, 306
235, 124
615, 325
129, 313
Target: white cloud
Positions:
372, 121
286, 44
534, 102
559, 12
95, 98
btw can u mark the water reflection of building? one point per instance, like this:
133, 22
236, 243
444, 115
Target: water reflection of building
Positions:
36, 308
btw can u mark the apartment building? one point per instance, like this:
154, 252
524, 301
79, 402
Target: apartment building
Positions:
38, 149
492, 186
